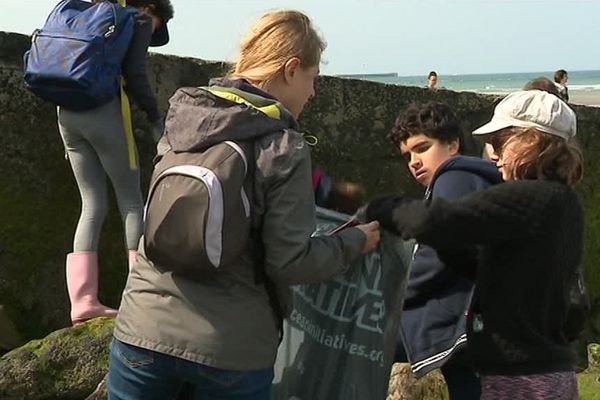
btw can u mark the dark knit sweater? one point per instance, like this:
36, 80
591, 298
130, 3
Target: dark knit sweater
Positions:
531, 234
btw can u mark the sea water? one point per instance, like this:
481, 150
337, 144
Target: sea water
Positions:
588, 81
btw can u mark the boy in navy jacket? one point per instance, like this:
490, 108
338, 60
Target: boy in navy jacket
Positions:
433, 327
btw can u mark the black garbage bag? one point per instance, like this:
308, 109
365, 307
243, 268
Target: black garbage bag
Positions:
340, 338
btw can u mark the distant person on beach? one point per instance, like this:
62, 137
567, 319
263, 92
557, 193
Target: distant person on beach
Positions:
432, 80
560, 79
220, 332
530, 233
97, 146
433, 325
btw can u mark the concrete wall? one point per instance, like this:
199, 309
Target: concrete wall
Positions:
39, 202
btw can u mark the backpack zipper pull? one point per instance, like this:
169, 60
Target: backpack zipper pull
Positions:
111, 30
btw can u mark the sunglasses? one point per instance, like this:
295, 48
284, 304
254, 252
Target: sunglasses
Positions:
497, 141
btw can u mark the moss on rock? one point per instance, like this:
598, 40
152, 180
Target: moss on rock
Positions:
67, 364
589, 380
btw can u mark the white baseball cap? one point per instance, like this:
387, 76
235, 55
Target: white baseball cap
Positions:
533, 109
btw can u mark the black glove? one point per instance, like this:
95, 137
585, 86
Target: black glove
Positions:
382, 209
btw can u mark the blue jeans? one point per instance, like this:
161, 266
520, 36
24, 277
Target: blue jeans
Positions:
140, 374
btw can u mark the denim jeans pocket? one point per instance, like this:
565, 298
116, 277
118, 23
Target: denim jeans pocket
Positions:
132, 356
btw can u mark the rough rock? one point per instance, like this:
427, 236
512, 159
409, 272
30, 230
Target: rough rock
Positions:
67, 364
589, 380
404, 385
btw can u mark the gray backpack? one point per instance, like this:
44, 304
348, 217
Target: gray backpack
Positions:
197, 217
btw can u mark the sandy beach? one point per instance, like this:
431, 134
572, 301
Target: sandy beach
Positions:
581, 97
588, 98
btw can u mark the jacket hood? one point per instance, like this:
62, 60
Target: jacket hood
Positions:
228, 109
485, 169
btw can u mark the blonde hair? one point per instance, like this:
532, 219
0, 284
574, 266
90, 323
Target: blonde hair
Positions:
540, 155
272, 41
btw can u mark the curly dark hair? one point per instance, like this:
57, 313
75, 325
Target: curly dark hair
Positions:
433, 119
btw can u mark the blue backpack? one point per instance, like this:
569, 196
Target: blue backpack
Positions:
75, 59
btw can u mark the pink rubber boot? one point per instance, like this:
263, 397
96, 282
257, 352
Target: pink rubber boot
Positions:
132, 257
82, 284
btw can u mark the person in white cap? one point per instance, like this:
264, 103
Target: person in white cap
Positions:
530, 233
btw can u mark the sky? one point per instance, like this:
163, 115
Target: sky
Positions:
409, 37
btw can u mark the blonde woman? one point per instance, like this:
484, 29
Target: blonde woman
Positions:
221, 334
530, 230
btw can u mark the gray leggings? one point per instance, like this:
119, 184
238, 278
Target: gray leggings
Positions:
96, 146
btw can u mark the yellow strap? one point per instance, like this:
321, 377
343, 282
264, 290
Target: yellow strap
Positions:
127, 124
